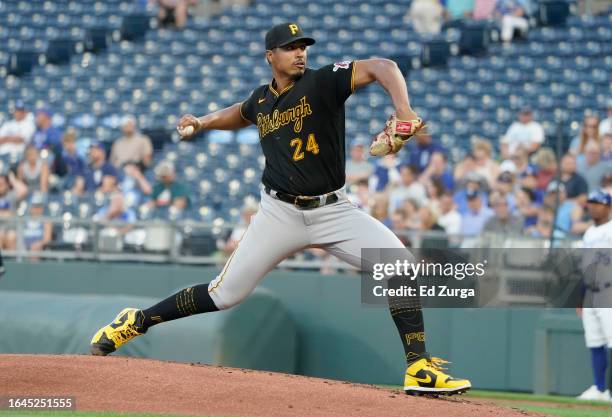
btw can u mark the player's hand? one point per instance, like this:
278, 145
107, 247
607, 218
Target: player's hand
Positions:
188, 126
395, 135
579, 311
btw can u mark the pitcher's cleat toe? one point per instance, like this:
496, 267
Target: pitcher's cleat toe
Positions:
127, 325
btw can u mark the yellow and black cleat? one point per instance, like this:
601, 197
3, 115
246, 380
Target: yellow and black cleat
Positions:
426, 377
127, 325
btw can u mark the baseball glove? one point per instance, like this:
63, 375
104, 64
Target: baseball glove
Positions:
394, 135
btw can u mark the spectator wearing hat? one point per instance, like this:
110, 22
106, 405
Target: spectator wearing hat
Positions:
420, 155
15, 134
472, 183
12, 191
525, 132
37, 234
575, 185
133, 146
605, 126
476, 216
33, 170
168, 191
591, 167
47, 136
529, 181
503, 221
68, 164
95, 172
505, 187
358, 167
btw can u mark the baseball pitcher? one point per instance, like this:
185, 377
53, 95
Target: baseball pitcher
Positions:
300, 118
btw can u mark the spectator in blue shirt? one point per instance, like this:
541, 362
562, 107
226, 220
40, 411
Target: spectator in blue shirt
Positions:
46, 136
568, 212
95, 172
473, 183
420, 155
477, 215
115, 210
386, 172
68, 165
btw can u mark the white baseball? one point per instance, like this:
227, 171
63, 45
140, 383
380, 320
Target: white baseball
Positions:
187, 131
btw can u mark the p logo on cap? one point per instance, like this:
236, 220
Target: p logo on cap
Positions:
294, 28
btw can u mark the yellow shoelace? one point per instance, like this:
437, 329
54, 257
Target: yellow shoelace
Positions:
437, 363
122, 336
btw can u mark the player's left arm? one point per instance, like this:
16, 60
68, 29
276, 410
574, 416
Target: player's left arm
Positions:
388, 75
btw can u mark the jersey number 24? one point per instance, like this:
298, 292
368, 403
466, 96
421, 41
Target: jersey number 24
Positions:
311, 146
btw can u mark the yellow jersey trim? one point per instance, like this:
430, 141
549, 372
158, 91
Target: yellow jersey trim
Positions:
242, 115
353, 77
276, 93
224, 271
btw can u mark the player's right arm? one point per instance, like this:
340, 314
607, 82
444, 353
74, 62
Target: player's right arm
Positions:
228, 118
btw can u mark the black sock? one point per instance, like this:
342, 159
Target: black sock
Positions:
186, 302
1, 260
407, 314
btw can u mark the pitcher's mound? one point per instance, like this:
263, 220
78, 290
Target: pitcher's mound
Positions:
139, 385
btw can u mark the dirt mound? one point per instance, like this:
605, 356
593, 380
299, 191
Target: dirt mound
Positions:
139, 385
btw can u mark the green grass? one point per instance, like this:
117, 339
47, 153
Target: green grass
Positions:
566, 412
65, 413
518, 396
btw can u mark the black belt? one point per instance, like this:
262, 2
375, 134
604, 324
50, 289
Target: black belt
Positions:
597, 288
304, 202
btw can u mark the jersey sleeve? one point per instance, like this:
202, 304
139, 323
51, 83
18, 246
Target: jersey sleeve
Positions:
337, 82
247, 108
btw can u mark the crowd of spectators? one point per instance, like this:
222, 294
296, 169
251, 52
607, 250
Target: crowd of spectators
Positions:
507, 186
38, 160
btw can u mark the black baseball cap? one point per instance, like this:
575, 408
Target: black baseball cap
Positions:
284, 34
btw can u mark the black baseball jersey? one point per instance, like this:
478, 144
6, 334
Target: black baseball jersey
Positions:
301, 130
